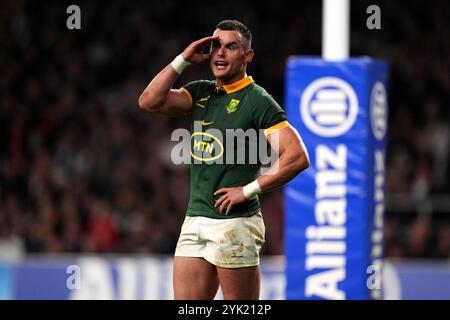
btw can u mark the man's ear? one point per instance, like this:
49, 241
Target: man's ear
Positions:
249, 55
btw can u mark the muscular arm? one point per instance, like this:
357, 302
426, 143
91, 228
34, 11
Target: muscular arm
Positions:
159, 97
292, 159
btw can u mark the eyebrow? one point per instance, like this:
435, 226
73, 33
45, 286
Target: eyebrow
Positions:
229, 43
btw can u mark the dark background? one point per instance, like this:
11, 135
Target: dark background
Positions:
82, 169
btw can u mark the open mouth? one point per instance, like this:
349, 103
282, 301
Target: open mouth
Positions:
220, 64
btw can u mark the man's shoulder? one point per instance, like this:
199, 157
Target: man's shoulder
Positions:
256, 89
199, 83
258, 93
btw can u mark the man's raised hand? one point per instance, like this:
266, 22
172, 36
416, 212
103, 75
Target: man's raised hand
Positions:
194, 54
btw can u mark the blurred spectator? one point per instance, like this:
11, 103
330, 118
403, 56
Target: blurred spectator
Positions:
102, 235
418, 242
443, 242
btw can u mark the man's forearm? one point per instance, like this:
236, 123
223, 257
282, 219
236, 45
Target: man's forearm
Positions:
286, 168
158, 89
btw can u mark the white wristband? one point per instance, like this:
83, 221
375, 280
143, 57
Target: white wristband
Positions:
179, 64
251, 190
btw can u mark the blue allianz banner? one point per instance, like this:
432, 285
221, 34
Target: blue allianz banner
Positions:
334, 211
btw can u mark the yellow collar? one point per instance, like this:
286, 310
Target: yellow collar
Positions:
238, 85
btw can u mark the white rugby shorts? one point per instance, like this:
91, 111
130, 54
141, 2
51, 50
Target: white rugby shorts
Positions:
227, 243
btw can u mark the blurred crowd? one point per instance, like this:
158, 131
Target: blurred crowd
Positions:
82, 169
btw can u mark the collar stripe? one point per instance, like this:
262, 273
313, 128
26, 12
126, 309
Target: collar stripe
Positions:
238, 85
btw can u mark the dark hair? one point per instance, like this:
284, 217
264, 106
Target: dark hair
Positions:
237, 26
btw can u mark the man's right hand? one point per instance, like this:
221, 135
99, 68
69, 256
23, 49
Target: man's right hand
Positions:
193, 53
159, 97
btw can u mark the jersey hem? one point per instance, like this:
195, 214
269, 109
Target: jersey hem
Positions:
251, 213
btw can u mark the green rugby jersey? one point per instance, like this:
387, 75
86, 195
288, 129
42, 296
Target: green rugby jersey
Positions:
218, 159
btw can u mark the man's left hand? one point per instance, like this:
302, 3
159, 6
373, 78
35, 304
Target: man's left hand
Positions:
230, 197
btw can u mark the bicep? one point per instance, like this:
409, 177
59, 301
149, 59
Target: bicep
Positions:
285, 139
292, 158
178, 102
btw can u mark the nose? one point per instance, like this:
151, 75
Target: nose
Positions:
221, 51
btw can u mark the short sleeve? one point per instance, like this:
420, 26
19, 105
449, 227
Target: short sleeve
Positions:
195, 89
269, 115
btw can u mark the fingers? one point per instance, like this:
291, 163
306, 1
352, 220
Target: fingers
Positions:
230, 206
200, 43
206, 39
196, 52
224, 205
221, 190
223, 201
220, 200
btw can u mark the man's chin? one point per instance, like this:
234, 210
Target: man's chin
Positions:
222, 76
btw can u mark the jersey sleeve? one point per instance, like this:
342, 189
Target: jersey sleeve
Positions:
195, 89
269, 115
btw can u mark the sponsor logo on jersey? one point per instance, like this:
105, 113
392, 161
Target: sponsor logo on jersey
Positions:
206, 147
202, 102
232, 106
206, 123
